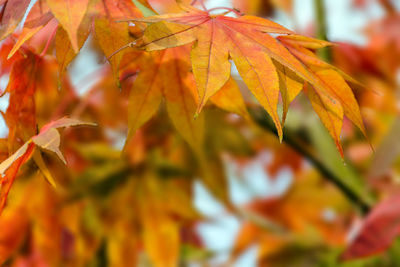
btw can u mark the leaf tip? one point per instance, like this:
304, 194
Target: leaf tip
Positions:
281, 138
198, 110
10, 54
61, 156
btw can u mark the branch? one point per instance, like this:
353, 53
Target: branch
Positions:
322, 29
297, 143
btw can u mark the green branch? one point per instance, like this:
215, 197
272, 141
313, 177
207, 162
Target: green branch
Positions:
296, 142
322, 29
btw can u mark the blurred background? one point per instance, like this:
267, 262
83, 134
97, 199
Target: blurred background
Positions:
271, 205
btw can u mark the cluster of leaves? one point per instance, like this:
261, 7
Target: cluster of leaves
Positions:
168, 90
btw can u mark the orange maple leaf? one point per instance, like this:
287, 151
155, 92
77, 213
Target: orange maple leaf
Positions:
48, 139
70, 14
167, 75
267, 65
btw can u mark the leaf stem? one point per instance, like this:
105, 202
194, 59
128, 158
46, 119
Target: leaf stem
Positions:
235, 11
53, 34
298, 144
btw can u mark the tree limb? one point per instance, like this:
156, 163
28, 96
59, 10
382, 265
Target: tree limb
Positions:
297, 143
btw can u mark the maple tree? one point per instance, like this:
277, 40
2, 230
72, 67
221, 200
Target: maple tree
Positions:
184, 95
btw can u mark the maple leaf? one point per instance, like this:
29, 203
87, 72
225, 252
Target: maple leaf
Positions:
160, 232
181, 102
37, 18
111, 36
330, 113
378, 231
48, 139
20, 114
9, 170
76, 18
167, 75
15, 225
267, 65
69, 14
12, 13
333, 80
117, 9
229, 98
64, 50
6, 65
217, 38
31, 77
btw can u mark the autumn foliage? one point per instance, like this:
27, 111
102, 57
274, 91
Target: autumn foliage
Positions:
118, 112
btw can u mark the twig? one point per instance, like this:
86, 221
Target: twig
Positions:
295, 142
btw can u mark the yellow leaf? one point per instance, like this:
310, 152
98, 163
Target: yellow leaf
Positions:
37, 18
259, 73
11, 14
69, 14
330, 112
211, 67
230, 99
180, 35
160, 232
338, 88
306, 42
110, 37
64, 51
217, 37
37, 157
290, 86
250, 43
181, 105
146, 94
